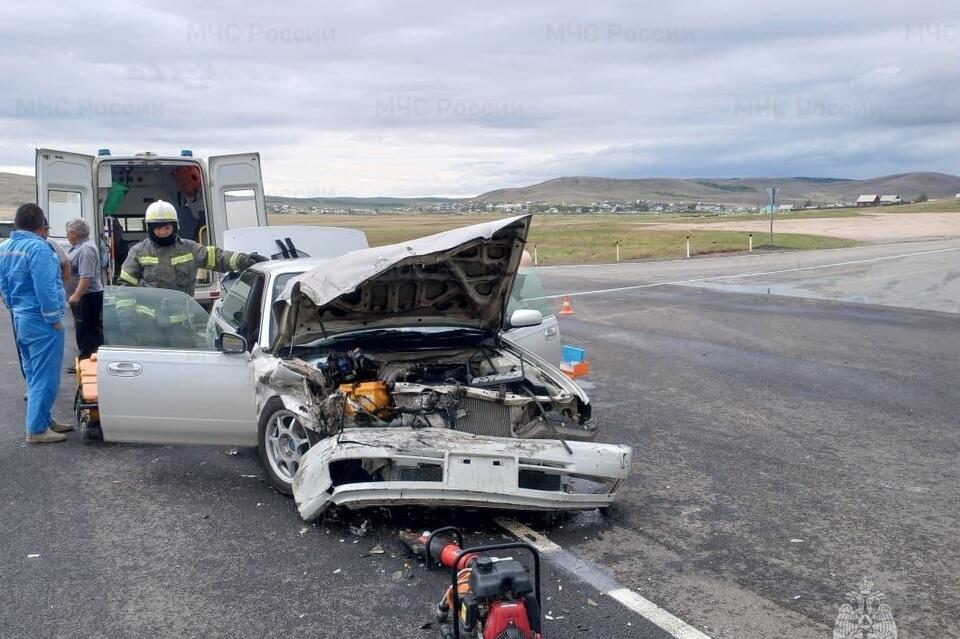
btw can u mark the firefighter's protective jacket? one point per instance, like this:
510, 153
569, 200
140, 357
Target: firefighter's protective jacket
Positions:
176, 266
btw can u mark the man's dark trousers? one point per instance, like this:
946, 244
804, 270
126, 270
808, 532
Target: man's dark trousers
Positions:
88, 318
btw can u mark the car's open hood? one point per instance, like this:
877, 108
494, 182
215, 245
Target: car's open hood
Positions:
461, 277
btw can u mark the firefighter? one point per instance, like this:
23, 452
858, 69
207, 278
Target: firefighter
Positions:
164, 260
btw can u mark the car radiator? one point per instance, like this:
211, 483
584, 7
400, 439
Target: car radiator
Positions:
479, 416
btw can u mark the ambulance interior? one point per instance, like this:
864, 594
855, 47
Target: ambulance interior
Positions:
126, 189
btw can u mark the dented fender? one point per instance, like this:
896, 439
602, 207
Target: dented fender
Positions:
299, 386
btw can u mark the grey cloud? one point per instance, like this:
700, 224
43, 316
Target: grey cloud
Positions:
408, 98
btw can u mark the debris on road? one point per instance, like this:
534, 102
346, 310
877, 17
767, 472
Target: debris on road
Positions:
376, 550
233, 451
361, 530
34, 556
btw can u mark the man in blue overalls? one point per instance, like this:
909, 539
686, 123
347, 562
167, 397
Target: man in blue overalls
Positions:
31, 288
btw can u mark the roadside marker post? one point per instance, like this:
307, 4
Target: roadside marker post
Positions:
750, 249
688, 247
772, 191
618, 251
536, 258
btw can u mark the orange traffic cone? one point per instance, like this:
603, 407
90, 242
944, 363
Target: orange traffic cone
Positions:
567, 308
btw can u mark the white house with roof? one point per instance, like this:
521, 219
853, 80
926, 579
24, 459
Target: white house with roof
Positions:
870, 199
886, 200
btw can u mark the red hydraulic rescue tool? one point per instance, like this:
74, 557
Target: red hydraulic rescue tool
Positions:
490, 597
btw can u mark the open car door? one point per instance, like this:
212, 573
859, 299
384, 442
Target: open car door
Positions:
65, 188
160, 378
236, 192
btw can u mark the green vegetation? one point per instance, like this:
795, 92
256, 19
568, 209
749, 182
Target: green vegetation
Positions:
736, 188
569, 244
945, 205
748, 217
823, 180
575, 239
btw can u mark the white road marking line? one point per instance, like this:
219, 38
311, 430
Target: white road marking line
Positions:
527, 534
602, 581
739, 275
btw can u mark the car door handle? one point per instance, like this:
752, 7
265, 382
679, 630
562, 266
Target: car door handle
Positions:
124, 369
550, 332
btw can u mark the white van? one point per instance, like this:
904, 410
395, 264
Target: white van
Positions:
112, 192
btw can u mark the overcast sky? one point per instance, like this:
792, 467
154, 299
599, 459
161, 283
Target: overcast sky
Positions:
456, 98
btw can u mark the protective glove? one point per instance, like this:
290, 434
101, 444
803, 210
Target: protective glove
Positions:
256, 258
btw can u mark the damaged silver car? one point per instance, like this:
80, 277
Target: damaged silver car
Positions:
379, 377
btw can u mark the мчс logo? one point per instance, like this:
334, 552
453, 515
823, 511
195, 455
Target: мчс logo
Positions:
865, 617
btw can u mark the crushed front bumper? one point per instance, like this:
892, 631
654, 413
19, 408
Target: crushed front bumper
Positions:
439, 467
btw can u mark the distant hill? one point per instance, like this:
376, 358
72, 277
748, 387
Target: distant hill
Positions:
752, 191
371, 203
17, 189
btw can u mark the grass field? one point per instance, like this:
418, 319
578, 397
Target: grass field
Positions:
740, 217
573, 239
950, 205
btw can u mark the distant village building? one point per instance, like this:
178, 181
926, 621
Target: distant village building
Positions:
878, 200
785, 208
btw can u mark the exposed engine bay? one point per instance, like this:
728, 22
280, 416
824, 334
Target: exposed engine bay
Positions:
395, 362
478, 390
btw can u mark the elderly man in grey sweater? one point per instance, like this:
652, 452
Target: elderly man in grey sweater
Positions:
86, 298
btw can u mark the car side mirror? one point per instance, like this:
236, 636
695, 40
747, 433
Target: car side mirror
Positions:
232, 344
525, 317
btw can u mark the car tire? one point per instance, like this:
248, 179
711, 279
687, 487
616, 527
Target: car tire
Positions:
281, 442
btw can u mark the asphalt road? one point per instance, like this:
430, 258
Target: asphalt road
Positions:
162, 541
922, 275
784, 448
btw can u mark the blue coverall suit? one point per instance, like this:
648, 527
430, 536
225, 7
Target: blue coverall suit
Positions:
33, 291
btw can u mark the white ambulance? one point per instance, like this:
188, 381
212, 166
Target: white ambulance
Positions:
112, 192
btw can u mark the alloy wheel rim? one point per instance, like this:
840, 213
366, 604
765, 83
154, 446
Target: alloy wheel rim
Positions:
286, 441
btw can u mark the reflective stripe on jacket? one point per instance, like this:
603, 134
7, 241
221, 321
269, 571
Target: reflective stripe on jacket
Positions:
175, 266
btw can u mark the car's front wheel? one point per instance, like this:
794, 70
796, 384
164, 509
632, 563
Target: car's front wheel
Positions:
282, 441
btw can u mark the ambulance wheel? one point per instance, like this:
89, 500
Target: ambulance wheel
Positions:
282, 442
